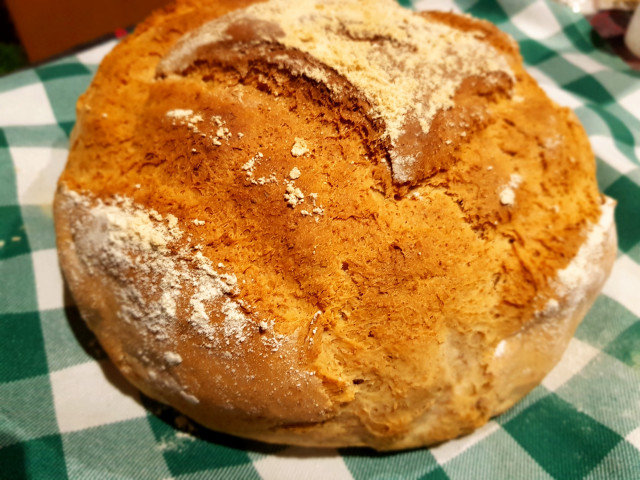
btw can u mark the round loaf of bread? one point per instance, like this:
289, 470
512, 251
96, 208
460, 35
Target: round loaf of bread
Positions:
329, 223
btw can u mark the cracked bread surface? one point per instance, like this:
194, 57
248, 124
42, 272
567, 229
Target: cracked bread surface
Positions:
239, 200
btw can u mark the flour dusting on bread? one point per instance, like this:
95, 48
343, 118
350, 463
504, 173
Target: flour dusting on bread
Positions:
119, 237
407, 67
586, 269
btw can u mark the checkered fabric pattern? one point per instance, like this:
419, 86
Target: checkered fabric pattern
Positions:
66, 412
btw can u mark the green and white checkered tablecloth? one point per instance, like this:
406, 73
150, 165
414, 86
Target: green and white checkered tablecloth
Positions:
66, 412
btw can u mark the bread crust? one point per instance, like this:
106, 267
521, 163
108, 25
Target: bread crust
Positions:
398, 311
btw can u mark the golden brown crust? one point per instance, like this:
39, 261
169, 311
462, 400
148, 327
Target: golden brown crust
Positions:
391, 298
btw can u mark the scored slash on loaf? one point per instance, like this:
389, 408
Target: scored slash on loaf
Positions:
329, 223
406, 79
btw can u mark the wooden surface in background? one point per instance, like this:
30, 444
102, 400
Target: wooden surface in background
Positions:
49, 27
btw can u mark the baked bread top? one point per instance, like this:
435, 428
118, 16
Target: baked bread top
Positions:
315, 222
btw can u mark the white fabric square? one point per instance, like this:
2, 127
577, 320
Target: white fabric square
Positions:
537, 21
296, 462
577, 356
94, 55
451, 449
37, 170
28, 105
631, 100
634, 438
92, 394
604, 148
622, 285
49, 283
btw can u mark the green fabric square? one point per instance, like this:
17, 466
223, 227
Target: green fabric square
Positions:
366, 463
627, 193
64, 83
590, 88
65, 69
435, 474
26, 410
497, 457
38, 223
37, 136
535, 53
41, 458
119, 450
626, 347
67, 339
8, 192
18, 292
565, 442
622, 462
604, 322
22, 354
579, 34
12, 233
67, 127
489, 10
202, 450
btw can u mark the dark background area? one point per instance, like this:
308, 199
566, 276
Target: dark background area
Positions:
12, 55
